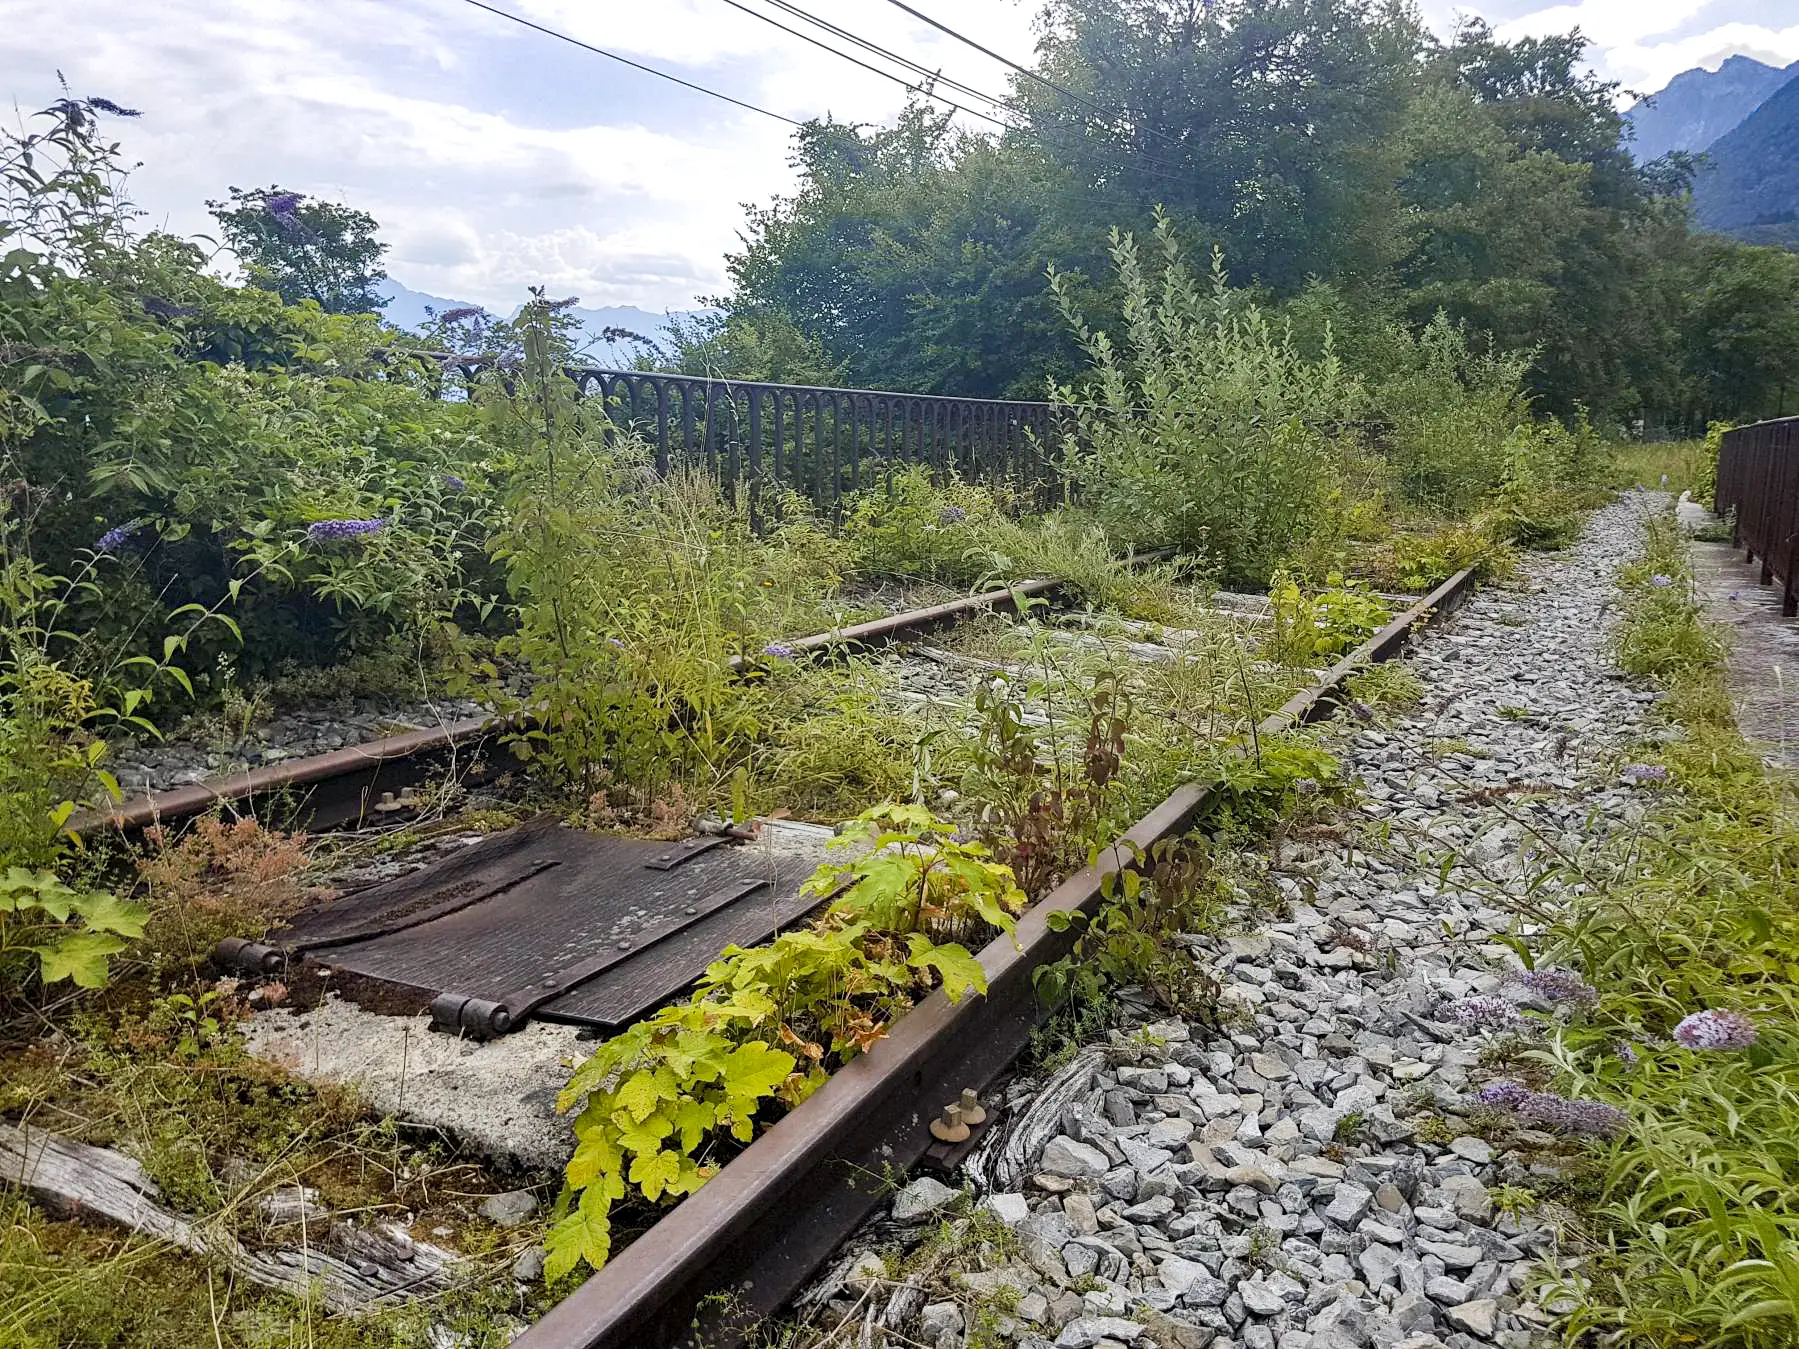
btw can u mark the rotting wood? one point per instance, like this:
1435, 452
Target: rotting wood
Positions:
343, 1267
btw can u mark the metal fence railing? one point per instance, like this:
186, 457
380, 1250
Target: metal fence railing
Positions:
1758, 490
822, 442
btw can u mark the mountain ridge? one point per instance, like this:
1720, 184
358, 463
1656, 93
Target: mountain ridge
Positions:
1748, 185
406, 308
1699, 106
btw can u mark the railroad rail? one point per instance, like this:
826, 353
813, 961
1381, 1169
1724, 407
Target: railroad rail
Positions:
348, 786
1758, 491
736, 1251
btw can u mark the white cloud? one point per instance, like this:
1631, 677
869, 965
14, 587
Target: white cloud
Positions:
495, 157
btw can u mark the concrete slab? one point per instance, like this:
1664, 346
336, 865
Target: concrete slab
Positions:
1764, 647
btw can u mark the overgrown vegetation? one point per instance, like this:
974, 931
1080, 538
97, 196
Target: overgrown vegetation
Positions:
211, 491
1691, 937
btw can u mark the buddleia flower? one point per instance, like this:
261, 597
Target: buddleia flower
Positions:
1645, 772
117, 537
778, 651
1486, 1011
1558, 985
952, 515
332, 531
1713, 1029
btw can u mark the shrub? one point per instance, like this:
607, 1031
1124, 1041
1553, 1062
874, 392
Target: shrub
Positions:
769, 1024
1306, 629
222, 878
1445, 409
1204, 426
914, 527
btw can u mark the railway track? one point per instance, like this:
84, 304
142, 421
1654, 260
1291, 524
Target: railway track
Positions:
736, 1251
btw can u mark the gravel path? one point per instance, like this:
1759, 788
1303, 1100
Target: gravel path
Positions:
1313, 1179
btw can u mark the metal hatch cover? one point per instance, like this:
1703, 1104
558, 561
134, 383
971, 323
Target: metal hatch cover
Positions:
539, 920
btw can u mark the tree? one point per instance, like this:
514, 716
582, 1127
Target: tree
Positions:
304, 250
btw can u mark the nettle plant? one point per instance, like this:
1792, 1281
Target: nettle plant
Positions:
665, 1103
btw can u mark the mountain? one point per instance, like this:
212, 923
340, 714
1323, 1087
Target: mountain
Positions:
1749, 185
1699, 106
406, 309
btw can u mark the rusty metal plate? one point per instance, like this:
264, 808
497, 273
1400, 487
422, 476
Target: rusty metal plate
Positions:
541, 920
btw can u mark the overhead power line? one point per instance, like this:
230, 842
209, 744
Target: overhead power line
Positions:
1153, 168
751, 107
884, 74
1026, 71
626, 61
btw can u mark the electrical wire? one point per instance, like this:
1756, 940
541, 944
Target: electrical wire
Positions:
884, 74
625, 60
751, 107
1026, 71
1150, 167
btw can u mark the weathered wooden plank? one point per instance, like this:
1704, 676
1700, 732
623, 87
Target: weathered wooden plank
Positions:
343, 1267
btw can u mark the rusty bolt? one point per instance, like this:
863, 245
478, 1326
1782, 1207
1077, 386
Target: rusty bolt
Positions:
972, 1111
950, 1129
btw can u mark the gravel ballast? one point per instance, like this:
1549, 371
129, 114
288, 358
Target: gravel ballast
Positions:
1313, 1175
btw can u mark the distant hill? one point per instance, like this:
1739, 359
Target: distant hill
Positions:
1700, 106
1749, 186
406, 309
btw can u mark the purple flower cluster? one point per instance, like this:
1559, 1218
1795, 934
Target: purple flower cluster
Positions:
1660, 581
454, 484
1552, 1111
778, 651
1486, 1011
1507, 1094
952, 515
1306, 786
116, 537
457, 315
331, 531
1627, 1054
1645, 772
284, 204
1558, 985
1712, 1029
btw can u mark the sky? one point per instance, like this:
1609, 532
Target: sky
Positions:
496, 157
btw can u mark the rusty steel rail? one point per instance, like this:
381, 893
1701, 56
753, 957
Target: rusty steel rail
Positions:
1758, 490
346, 785
738, 1249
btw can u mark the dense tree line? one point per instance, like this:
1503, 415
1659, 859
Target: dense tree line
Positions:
1349, 165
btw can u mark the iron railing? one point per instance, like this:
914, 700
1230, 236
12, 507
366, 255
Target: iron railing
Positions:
1758, 490
822, 442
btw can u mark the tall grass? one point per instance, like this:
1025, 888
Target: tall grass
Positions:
1697, 1209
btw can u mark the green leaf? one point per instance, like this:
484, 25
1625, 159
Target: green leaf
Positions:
654, 1172
752, 1072
957, 967
80, 956
642, 1093
693, 1121
585, 1233
103, 912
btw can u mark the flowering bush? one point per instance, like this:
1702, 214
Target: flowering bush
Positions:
1691, 939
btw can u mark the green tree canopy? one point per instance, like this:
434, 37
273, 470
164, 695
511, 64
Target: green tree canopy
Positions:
304, 250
